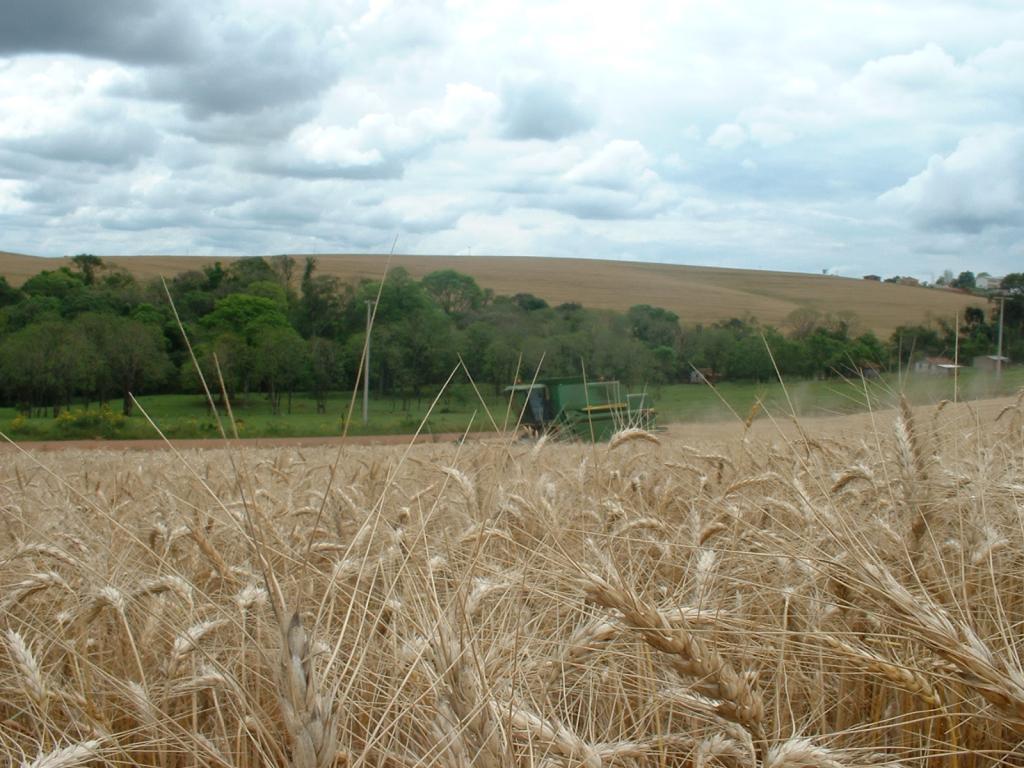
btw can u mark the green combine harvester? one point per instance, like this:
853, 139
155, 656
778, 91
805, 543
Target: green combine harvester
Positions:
573, 409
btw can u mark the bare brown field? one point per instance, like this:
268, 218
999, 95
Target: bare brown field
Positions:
831, 594
696, 294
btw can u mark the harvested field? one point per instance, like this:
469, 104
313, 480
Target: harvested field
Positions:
696, 294
819, 597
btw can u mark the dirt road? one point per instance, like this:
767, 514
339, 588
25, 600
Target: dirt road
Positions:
962, 414
251, 442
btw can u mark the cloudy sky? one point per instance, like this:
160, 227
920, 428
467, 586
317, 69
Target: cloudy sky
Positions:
855, 135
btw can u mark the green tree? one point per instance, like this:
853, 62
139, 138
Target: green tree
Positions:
283, 267
226, 361
415, 351
748, 358
134, 354
59, 284
243, 272
654, 326
280, 364
8, 294
1013, 283
909, 342
47, 364
24, 374
268, 289
244, 315
966, 281
322, 304
215, 274
87, 265
456, 293
529, 302
327, 369
33, 309
802, 322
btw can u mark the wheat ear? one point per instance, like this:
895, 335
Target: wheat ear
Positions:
799, 753
312, 730
66, 757
900, 676
687, 654
32, 681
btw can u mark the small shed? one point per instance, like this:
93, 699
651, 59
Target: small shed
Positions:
874, 278
870, 371
989, 362
936, 366
703, 376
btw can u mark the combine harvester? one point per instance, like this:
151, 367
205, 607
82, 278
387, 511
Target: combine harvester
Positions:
571, 408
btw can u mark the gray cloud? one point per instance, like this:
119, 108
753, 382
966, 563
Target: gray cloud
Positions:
138, 31
537, 107
601, 204
246, 70
102, 143
291, 166
270, 123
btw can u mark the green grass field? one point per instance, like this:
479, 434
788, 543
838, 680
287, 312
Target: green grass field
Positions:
459, 409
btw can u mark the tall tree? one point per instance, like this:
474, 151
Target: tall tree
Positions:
245, 315
8, 294
134, 354
327, 369
283, 266
965, 280
280, 364
87, 265
453, 291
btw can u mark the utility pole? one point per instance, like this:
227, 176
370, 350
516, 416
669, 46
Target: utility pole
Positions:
366, 362
999, 349
956, 357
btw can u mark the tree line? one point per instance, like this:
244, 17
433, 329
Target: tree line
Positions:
275, 327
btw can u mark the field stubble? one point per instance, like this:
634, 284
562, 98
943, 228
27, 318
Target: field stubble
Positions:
784, 599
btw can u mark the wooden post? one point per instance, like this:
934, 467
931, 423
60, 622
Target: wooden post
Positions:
956, 356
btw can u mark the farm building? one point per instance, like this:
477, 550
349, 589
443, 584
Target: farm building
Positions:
870, 371
989, 362
875, 278
703, 376
936, 366
988, 282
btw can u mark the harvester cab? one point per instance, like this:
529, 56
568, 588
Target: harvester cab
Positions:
573, 409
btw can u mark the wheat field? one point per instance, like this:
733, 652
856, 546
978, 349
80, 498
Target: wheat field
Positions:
786, 600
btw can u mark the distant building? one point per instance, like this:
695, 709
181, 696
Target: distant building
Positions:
936, 366
989, 362
875, 278
909, 281
703, 376
870, 371
988, 282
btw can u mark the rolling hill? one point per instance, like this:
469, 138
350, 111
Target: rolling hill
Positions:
696, 294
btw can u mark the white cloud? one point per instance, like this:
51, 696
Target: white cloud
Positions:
978, 185
728, 136
380, 144
620, 164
